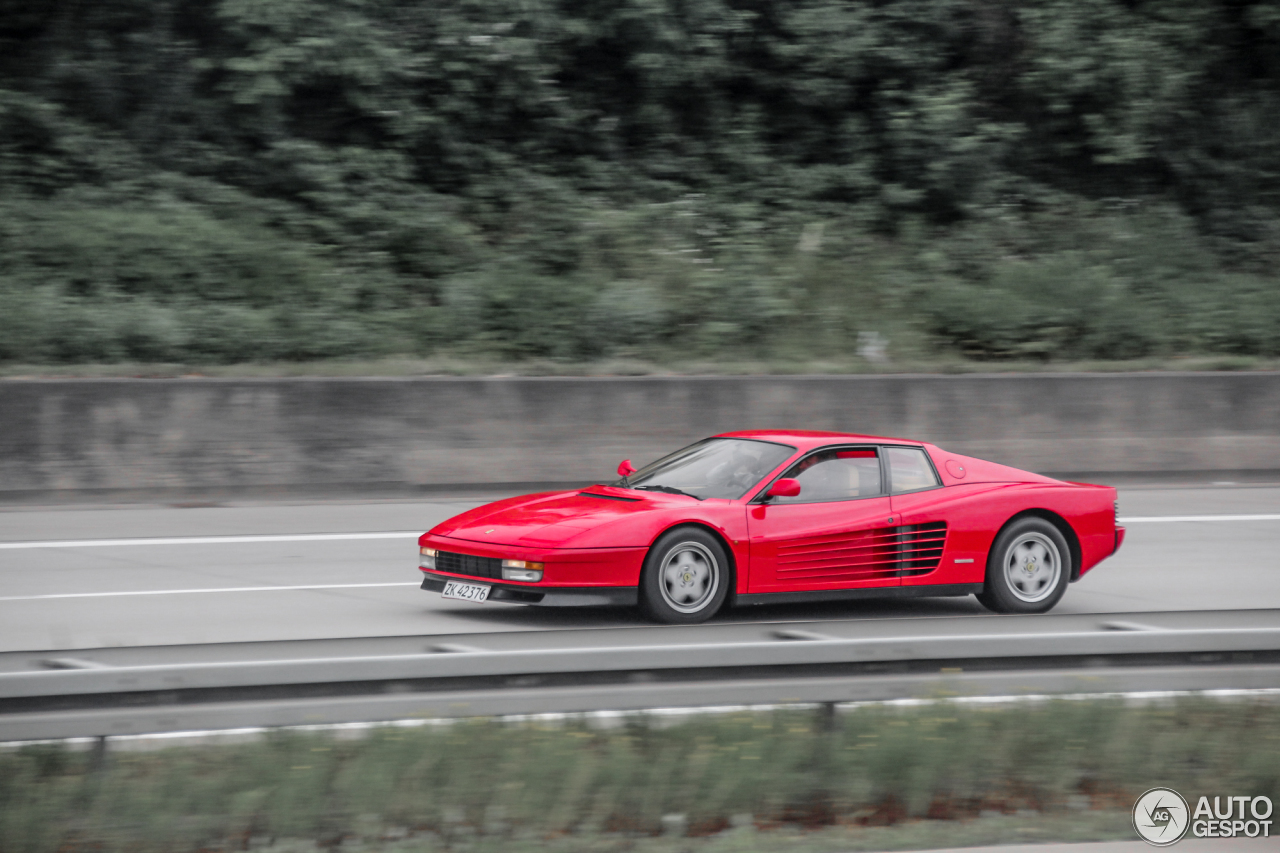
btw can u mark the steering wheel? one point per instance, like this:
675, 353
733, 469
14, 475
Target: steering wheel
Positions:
731, 473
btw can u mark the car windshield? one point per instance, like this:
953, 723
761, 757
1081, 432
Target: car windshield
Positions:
714, 468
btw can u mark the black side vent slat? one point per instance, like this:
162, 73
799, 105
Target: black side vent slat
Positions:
920, 547
466, 564
608, 497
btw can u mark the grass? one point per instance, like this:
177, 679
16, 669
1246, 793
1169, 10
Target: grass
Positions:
882, 777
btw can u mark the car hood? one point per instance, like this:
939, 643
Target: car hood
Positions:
551, 519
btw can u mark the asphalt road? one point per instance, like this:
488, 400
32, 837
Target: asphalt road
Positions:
102, 592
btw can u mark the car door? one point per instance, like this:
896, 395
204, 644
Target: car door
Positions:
830, 536
922, 508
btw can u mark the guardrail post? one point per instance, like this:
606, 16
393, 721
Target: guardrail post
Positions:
825, 735
827, 717
98, 755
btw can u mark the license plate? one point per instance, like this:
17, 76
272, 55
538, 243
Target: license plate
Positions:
465, 591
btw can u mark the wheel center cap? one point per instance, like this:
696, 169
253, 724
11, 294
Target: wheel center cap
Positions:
687, 577
1030, 567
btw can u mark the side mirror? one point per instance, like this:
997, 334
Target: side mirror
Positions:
784, 488
626, 469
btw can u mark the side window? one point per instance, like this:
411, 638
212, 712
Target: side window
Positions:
909, 470
835, 475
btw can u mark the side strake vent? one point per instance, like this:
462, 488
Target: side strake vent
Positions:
881, 553
920, 547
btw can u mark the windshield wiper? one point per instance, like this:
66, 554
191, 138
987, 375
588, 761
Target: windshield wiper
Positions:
671, 490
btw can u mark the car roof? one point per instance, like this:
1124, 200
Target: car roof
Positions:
807, 439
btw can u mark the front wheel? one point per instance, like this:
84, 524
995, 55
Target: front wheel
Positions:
1028, 568
686, 577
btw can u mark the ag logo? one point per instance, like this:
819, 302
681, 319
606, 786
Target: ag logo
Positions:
1161, 817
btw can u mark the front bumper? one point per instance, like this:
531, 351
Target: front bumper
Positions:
560, 596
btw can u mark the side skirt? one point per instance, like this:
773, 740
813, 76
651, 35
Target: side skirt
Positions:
924, 591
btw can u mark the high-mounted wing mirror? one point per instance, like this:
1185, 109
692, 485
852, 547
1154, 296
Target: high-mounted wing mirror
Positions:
626, 469
784, 488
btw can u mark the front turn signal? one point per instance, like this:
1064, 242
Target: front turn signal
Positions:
521, 570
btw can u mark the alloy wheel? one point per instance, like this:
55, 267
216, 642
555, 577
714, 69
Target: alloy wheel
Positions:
1032, 566
690, 577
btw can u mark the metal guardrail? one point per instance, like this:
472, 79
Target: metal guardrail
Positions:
80, 698
793, 650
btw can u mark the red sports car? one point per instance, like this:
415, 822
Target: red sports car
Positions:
782, 516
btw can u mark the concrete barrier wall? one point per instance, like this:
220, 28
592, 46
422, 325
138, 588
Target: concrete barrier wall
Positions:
234, 434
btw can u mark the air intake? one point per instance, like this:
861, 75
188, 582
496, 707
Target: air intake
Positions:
465, 564
920, 547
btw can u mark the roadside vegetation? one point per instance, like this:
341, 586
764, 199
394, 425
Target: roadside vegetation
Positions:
872, 777
720, 182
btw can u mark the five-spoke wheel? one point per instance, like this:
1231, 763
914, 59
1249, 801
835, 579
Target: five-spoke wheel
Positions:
686, 576
690, 577
1028, 568
1032, 567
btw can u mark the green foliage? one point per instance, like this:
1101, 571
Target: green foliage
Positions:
239, 180
1127, 286
508, 782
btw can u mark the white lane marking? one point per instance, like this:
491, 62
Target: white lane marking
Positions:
1164, 519
405, 534
204, 591
210, 540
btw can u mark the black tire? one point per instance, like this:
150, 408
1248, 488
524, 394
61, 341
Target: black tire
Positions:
686, 577
1028, 568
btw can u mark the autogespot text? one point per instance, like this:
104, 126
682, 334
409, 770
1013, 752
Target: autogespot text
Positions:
1231, 817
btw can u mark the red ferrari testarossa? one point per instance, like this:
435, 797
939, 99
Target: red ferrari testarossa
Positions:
782, 516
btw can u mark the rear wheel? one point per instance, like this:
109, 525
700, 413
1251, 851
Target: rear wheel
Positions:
1028, 568
685, 577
